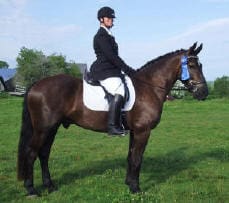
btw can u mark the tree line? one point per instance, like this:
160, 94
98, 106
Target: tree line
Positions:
220, 88
33, 65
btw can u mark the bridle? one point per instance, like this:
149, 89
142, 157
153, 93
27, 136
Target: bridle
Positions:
185, 78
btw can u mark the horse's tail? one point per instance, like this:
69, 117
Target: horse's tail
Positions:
26, 134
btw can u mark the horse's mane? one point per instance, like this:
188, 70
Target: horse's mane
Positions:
154, 61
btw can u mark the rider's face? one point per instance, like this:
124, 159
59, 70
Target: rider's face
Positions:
108, 22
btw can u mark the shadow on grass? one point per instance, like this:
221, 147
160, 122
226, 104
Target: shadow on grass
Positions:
158, 169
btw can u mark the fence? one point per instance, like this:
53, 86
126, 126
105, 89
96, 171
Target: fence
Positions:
19, 90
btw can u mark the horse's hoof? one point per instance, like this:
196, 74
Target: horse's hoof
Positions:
133, 186
28, 196
127, 182
32, 193
52, 189
135, 189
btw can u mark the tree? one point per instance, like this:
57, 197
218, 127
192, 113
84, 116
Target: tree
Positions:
4, 64
73, 69
221, 87
56, 64
33, 65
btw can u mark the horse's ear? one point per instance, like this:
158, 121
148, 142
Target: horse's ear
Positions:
197, 51
194, 45
192, 49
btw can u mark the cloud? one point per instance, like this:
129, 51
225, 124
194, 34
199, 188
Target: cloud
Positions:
218, 1
210, 30
19, 29
104, 1
214, 36
12, 7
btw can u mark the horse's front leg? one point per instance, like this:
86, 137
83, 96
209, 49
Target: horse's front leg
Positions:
137, 146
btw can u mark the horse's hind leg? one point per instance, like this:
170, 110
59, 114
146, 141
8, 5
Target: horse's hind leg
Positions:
43, 154
31, 155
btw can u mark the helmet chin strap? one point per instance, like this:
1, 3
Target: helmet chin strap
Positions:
108, 27
101, 20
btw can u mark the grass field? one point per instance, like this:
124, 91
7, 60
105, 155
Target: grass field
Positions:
186, 159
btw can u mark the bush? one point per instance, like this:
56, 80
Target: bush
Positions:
4, 95
221, 87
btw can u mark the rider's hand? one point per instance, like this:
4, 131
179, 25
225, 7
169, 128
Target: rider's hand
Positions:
131, 72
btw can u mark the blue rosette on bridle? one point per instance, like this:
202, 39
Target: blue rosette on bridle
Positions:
184, 68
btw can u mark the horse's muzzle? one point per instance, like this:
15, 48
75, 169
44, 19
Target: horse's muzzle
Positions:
199, 91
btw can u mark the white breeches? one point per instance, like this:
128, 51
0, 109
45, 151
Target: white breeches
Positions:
113, 85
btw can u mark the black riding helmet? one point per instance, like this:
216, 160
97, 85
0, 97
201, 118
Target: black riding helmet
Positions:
106, 12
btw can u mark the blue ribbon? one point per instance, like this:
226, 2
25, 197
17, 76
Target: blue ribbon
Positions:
184, 68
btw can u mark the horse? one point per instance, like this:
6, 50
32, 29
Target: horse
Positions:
58, 100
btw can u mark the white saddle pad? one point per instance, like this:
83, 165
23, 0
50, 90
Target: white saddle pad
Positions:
93, 97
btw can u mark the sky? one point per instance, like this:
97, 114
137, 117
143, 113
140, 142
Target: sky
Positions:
143, 29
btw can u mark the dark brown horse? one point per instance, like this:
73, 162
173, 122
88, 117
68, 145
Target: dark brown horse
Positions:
58, 100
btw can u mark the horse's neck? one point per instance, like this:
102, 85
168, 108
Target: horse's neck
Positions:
163, 73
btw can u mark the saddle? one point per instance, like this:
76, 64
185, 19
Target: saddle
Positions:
108, 96
96, 97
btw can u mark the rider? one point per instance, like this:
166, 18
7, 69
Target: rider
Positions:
108, 68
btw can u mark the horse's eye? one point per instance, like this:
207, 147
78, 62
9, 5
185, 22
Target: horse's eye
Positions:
192, 64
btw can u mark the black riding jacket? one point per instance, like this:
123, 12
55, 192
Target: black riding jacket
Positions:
108, 63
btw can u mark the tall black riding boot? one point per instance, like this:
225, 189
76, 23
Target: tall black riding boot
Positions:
114, 116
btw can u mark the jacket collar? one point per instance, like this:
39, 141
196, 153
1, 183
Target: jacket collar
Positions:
107, 30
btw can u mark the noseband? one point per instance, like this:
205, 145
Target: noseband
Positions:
192, 85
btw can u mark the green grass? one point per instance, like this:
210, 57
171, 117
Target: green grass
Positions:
186, 159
